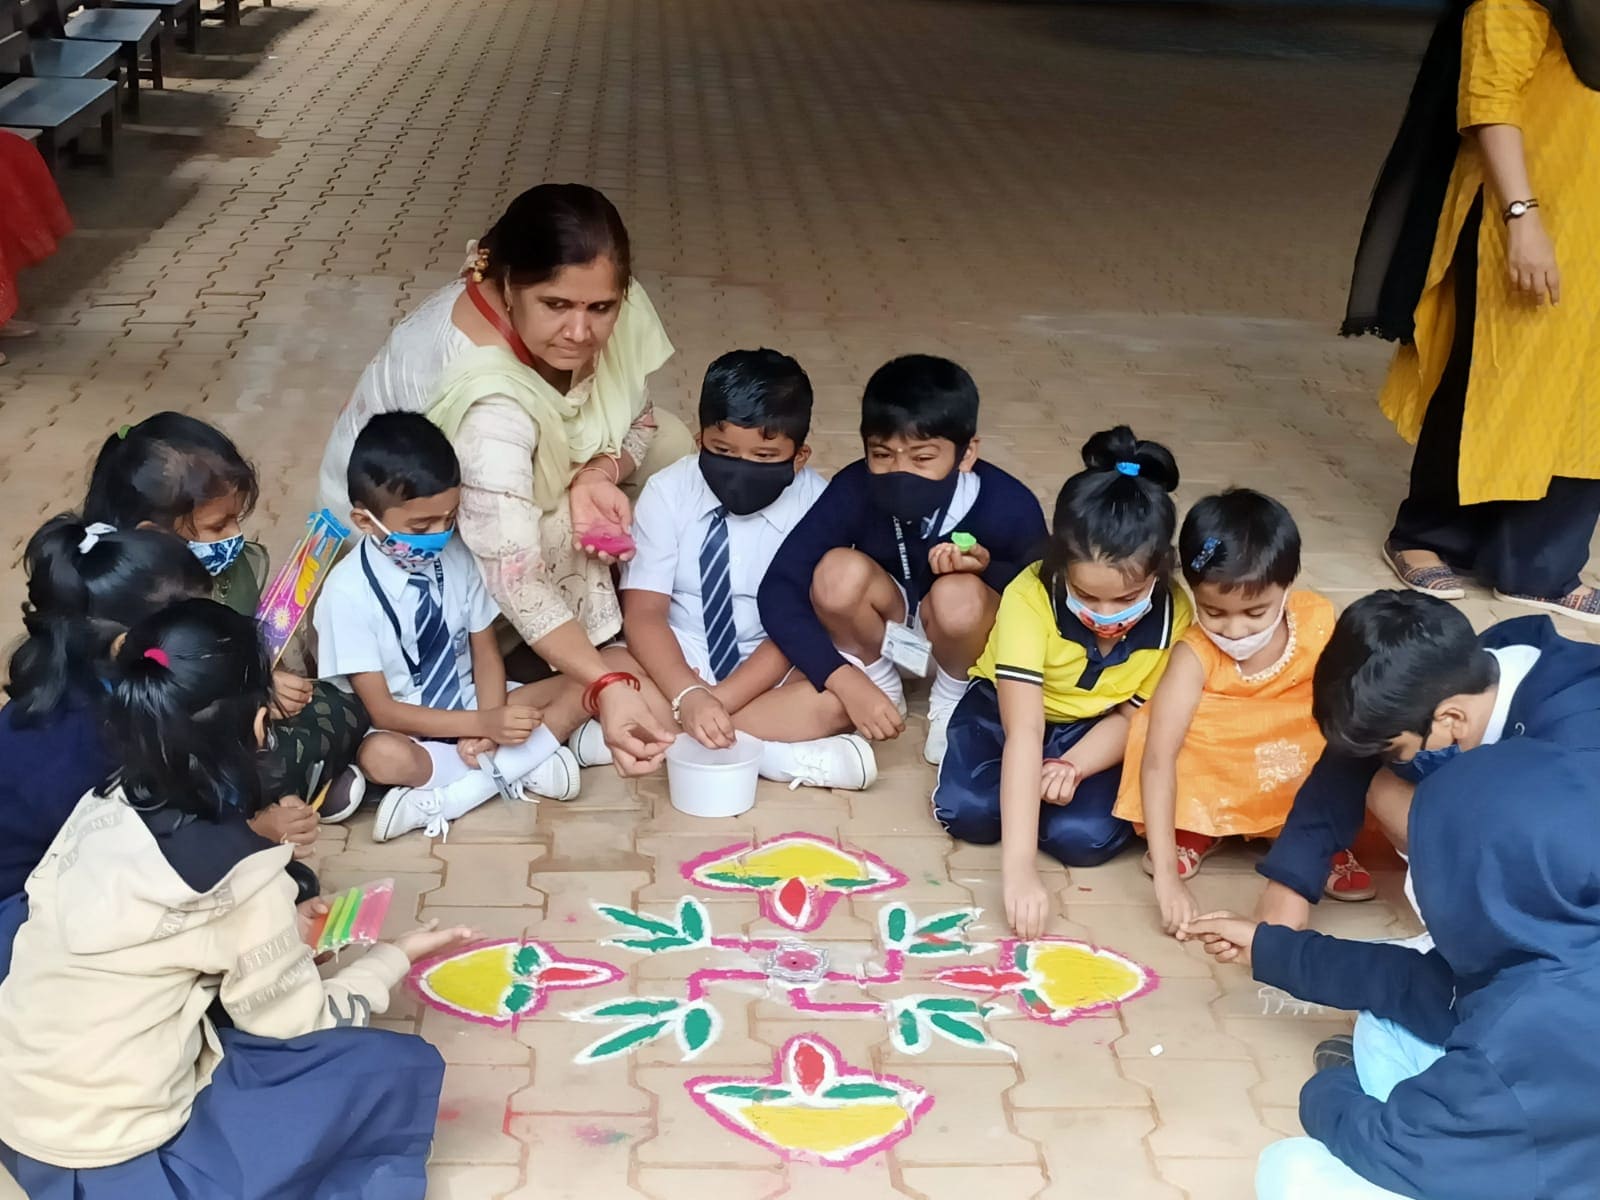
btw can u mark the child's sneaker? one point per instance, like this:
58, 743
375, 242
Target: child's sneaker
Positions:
938, 731
343, 797
845, 762
1193, 849
1333, 1053
556, 778
1348, 879
588, 745
405, 809
1581, 604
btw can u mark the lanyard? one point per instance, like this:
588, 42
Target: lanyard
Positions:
501, 326
412, 664
912, 597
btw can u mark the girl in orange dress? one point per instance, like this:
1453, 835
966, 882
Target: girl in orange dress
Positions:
35, 219
1228, 737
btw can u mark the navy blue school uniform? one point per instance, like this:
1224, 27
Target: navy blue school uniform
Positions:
1036, 642
1557, 701
1511, 894
1005, 518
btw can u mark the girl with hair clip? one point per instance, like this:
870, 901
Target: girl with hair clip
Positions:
156, 901
86, 585
1081, 639
181, 475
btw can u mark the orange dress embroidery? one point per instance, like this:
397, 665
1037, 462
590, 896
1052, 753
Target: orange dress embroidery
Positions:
1252, 741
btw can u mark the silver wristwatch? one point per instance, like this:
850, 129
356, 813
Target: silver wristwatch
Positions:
1519, 208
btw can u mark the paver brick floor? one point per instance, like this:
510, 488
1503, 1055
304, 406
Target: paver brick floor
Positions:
1107, 213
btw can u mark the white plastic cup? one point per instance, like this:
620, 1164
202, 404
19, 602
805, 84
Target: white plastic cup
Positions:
713, 783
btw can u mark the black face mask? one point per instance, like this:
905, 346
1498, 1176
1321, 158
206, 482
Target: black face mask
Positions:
743, 486
910, 497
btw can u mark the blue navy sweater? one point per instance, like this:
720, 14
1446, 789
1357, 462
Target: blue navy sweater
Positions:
1006, 519
1558, 701
45, 769
1511, 894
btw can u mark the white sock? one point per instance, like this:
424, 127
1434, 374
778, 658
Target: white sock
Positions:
777, 761
946, 691
447, 765
513, 762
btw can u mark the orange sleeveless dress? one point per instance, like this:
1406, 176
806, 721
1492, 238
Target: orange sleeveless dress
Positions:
1252, 741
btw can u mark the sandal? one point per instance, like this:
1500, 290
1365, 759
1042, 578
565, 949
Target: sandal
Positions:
1581, 604
1440, 581
1193, 849
1348, 880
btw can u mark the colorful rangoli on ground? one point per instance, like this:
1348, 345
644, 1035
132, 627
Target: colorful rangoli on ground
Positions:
499, 983
799, 876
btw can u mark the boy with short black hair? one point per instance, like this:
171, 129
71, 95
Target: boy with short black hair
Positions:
404, 622
900, 564
1406, 685
706, 529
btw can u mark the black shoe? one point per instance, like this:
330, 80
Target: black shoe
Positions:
344, 796
1337, 1051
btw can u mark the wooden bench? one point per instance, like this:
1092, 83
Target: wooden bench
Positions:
60, 109
137, 31
172, 13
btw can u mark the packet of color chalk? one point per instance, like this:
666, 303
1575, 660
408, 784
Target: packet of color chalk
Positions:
288, 596
354, 918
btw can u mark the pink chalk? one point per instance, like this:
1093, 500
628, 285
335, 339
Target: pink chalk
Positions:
615, 543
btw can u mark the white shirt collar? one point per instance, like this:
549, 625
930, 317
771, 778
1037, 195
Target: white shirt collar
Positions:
1515, 663
390, 577
961, 502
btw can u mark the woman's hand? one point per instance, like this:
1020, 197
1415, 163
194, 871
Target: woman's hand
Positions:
1531, 259
291, 693
704, 718
1027, 903
638, 741
1058, 781
598, 506
1178, 905
946, 559
430, 940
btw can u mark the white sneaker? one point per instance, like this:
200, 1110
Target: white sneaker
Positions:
845, 762
405, 809
938, 731
556, 778
588, 745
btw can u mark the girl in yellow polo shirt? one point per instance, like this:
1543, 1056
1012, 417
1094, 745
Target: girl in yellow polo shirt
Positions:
1036, 743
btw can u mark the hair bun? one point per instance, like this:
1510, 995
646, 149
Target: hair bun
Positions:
1120, 451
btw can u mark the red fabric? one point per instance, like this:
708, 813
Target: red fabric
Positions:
32, 216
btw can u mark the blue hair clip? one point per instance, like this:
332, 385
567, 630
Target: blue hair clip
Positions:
1208, 551
1127, 468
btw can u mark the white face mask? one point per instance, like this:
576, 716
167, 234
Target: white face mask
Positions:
1245, 648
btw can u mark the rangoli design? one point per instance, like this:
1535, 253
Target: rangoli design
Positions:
799, 876
814, 1106
499, 983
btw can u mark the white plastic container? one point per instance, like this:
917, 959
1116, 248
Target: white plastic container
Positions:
713, 783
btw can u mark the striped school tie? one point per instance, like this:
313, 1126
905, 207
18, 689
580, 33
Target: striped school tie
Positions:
436, 656
716, 597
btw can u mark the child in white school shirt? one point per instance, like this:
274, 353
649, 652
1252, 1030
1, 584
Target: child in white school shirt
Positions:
404, 622
706, 529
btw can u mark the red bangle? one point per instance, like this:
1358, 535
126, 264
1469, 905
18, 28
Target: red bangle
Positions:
591, 694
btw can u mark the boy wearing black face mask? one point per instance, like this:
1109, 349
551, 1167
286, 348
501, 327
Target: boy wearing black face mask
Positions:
705, 530
900, 565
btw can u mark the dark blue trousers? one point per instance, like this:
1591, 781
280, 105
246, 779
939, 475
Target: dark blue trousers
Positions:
967, 797
344, 1114
13, 912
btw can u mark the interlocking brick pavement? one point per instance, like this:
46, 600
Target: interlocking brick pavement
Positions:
1107, 213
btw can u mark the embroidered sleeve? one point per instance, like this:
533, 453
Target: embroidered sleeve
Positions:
500, 522
636, 442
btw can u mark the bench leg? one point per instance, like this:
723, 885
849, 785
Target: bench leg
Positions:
192, 41
157, 80
130, 55
108, 141
230, 9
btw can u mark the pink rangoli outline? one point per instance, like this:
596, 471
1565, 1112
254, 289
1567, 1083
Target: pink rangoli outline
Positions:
565, 974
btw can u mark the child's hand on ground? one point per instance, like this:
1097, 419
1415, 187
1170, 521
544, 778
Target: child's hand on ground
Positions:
290, 821
597, 504
291, 693
1228, 938
874, 715
1178, 905
638, 741
470, 748
508, 725
947, 558
430, 940
1058, 781
705, 720
1027, 903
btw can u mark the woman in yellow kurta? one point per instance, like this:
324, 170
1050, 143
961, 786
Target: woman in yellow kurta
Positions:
1497, 382
1228, 737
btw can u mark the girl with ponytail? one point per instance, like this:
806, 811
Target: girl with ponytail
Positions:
1082, 637
162, 902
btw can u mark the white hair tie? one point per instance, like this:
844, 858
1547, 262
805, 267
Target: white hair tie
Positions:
93, 534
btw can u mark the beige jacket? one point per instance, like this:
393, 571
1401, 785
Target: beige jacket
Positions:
104, 1041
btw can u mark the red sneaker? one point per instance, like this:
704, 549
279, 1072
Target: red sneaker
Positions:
1349, 880
1193, 849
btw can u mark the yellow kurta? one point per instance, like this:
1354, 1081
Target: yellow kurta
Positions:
1532, 411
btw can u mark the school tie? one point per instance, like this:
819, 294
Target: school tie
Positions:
716, 597
436, 656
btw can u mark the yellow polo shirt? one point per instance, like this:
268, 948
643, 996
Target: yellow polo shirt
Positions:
1033, 642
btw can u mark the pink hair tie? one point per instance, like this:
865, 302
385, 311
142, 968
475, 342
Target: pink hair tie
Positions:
158, 656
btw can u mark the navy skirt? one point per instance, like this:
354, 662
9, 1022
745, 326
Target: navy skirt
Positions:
344, 1114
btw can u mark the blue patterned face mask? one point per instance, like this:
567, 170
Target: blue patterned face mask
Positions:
217, 557
410, 552
1424, 763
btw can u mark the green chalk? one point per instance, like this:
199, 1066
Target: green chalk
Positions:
963, 542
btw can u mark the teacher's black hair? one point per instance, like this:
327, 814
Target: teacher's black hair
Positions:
1118, 510
758, 389
552, 226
